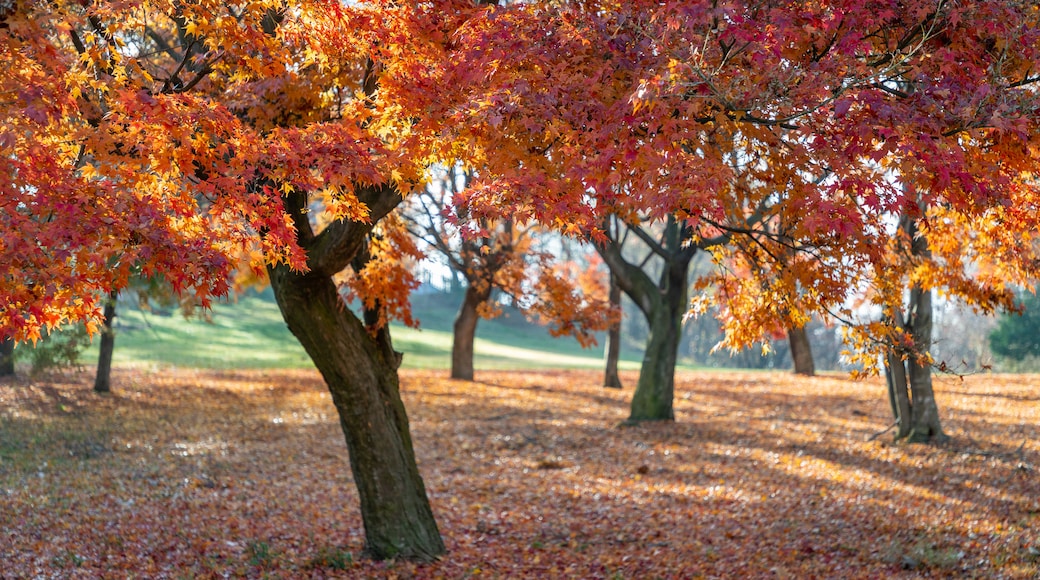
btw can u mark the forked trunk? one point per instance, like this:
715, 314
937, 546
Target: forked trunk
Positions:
465, 333
612, 350
655, 390
103, 377
916, 413
801, 352
360, 371
6, 357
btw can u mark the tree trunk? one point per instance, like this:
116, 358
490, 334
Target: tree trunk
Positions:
465, 332
801, 351
663, 303
898, 393
924, 412
917, 414
6, 357
360, 371
612, 350
655, 389
103, 378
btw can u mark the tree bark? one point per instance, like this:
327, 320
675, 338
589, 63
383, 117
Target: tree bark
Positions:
898, 393
465, 332
655, 390
612, 350
801, 352
924, 412
360, 371
6, 357
103, 377
916, 413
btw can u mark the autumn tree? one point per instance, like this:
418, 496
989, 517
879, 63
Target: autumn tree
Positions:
190, 138
701, 111
663, 301
187, 139
501, 258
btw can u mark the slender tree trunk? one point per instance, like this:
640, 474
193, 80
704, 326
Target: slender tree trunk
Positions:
898, 393
655, 389
103, 378
801, 352
6, 357
611, 378
360, 371
924, 412
465, 332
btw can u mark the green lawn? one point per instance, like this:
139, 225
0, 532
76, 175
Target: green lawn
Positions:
249, 333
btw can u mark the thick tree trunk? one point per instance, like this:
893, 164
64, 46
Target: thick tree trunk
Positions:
801, 351
361, 373
103, 377
612, 350
663, 303
465, 332
655, 389
6, 357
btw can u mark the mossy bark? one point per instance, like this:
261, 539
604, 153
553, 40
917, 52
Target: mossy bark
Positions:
360, 370
664, 303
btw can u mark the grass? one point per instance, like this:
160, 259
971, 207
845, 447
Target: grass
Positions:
249, 333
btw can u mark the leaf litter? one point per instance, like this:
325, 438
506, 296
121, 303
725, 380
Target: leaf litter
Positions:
209, 474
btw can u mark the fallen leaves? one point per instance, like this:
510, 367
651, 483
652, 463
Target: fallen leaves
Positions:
245, 473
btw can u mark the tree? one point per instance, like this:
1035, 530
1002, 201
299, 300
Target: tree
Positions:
103, 377
612, 348
500, 257
193, 138
701, 112
663, 302
188, 139
908, 370
1017, 334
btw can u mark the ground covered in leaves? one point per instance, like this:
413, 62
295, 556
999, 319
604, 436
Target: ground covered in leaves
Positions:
185, 474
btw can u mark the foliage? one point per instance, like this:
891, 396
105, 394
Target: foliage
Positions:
1017, 335
763, 475
58, 349
802, 129
507, 258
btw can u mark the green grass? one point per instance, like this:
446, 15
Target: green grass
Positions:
249, 333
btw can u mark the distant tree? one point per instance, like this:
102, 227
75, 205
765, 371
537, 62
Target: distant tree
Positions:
103, 376
6, 357
612, 349
499, 257
1017, 335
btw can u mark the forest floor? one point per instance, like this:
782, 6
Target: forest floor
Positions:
192, 474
